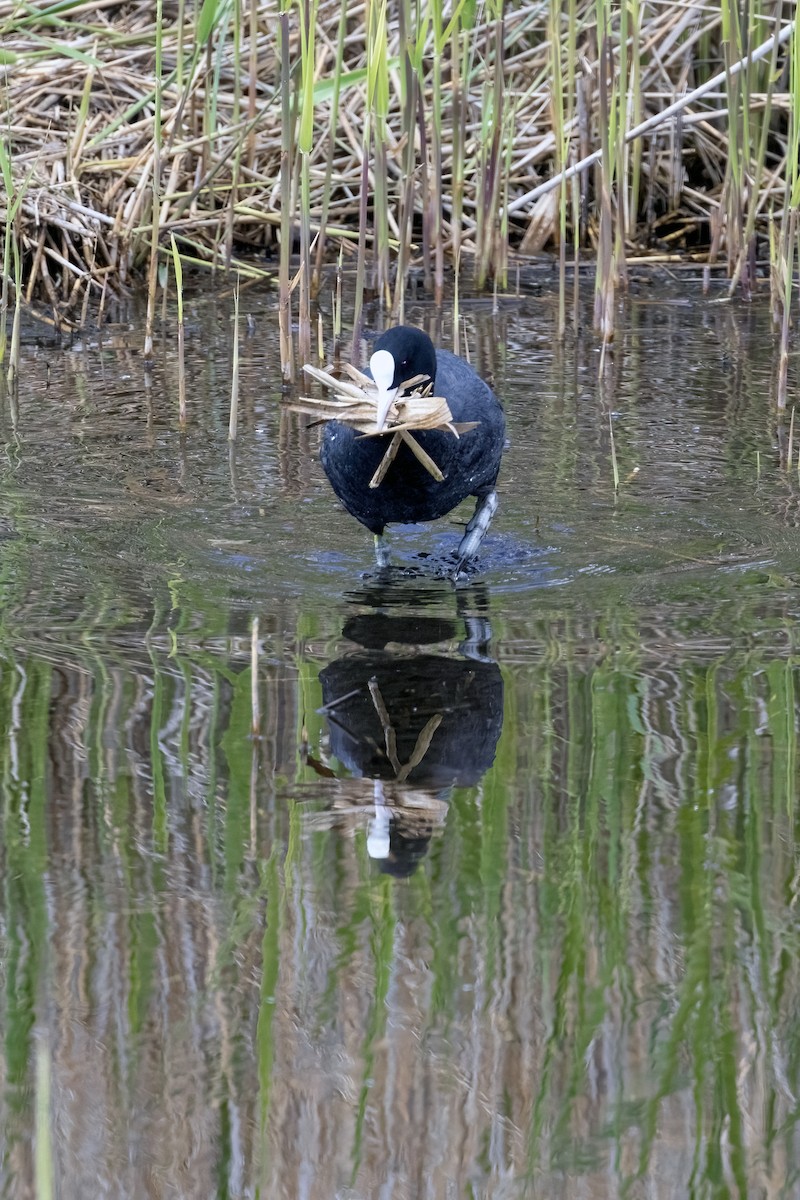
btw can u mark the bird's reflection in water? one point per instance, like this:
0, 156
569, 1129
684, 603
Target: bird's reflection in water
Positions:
410, 724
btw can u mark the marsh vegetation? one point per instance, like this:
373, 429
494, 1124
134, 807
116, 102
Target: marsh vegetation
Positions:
417, 137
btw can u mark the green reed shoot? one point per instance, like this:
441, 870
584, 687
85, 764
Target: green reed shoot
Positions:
378, 104
575, 185
13, 355
619, 128
762, 123
411, 46
213, 68
491, 151
336, 72
605, 276
501, 266
562, 138
461, 47
286, 175
735, 88
632, 169
236, 110
305, 144
435, 239
75, 144
11, 255
375, 110
152, 276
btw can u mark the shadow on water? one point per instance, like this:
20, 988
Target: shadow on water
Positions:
500, 897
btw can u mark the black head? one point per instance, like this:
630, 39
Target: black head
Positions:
413, 353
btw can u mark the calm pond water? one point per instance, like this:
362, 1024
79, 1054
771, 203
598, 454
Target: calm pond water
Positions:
503, 900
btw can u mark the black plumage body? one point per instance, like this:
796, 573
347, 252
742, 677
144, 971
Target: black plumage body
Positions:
408, 492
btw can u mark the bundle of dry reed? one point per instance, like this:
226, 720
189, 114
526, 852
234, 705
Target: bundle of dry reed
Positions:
354, 403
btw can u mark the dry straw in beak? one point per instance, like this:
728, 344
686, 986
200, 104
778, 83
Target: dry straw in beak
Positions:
355, 403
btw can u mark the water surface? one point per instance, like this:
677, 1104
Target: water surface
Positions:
502, 901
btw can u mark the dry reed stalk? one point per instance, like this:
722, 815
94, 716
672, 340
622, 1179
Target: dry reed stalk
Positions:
178, 269
255, 707
233, 422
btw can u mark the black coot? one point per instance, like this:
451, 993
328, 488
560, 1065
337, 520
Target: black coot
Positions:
408, 492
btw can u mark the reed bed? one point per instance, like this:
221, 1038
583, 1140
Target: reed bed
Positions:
276, 137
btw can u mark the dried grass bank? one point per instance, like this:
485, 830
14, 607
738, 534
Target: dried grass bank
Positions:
404, 135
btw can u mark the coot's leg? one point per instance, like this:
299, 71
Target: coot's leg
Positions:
473, 534
476, 643
382, 555
378, 844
